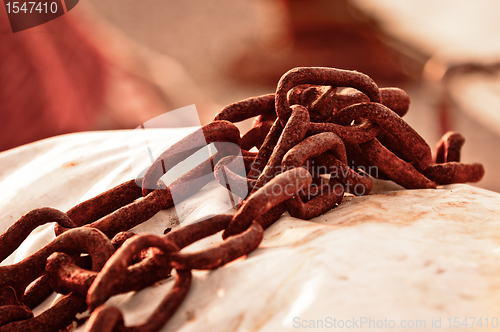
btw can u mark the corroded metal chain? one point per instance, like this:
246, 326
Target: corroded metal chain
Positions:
314, 145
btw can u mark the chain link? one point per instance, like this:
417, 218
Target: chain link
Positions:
306, 135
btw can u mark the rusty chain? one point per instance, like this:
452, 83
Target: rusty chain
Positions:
306, 134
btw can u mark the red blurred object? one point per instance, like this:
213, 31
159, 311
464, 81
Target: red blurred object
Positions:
325, 33
52, 81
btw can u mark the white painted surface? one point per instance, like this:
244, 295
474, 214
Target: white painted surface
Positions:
396, 255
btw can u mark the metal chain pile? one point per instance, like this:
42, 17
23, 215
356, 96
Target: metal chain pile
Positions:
314, 145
